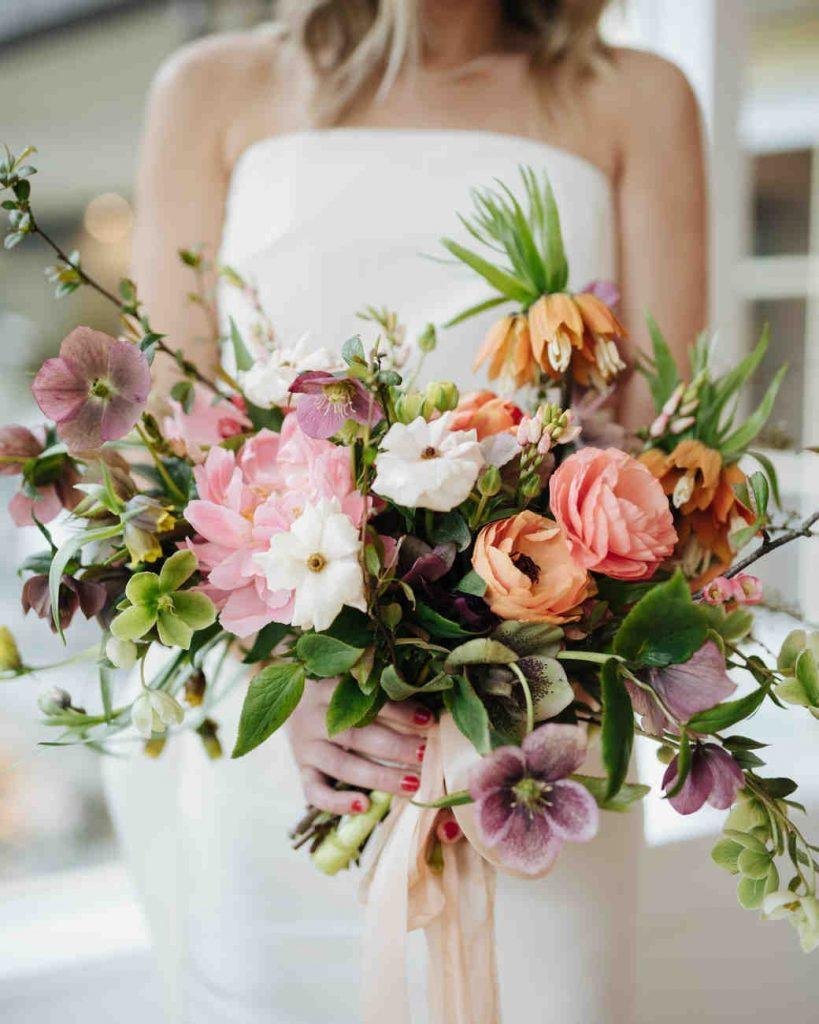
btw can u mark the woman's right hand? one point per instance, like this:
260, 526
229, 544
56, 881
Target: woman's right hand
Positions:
396, 736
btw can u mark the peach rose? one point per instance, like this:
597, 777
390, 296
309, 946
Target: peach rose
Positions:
486, 413
615, 515
529, 572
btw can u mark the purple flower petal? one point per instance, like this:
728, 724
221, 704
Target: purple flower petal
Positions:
572, 812
653, 719
606, 291
318, 418
495, 811
697, 787
726, 776
503, 767
554, 751
129, 373
119, 414
82, 432
431, 564
311, 382
58, 390
528, 844
696, 685
87, 351
17, 441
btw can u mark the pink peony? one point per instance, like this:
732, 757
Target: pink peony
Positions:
614, 513
208, 423
95, 390
246, 498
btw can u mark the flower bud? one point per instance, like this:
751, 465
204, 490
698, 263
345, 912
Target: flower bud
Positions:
210, 741
121, 653
489, 482
10, 660
428, 338
195, 689
154, 746
53, 701
440, 395
530, 487
409, 406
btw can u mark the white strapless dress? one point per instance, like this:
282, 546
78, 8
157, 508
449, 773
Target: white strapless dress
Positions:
246, 932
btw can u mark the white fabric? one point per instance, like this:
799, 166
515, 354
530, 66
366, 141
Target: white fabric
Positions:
323, 223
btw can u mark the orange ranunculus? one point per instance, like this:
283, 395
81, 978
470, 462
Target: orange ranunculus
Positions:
556, 329
598, 361
529, 571
508, 348
702, 490
486, 413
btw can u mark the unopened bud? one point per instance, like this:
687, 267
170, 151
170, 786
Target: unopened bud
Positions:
10, 660
665, 755
490, 482
349, 432
210, 741
441, 395
53, 701
530, 487
154, 746
428, 338
195, 689
121, 653
409, 406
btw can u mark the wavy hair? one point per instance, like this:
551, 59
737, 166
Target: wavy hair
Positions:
354, 43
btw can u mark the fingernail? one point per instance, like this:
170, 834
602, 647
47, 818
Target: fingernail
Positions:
451, 830
419, 753
358, 806
421, 716
410, 783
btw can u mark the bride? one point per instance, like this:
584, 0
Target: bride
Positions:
322, 160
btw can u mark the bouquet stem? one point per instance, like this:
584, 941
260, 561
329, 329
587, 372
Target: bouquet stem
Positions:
341, 846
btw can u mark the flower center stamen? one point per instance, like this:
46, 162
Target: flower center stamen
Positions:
523, 563
316, 562
100, 388
531, 793
429, 452
339, 393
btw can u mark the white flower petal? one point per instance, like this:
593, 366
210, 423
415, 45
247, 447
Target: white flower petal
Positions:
142, 715
166, 709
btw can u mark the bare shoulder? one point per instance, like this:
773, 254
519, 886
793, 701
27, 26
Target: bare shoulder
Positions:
646, 94
218, 61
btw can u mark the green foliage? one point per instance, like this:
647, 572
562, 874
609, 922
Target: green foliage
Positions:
244, 360
481, 651
617, 730
452, 528
665, 627
627, 795
268, 637
271, 698
468, 713
324, 656
348, 706
64, 555
472, 583
727, 714
438, 625
660, 370
397, 687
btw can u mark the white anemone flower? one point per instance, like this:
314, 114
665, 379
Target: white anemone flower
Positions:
153, 711
428, 465
267, 382
318, 559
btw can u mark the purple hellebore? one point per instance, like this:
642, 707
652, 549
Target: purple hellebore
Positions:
17, 446
526, 807
95, 390
696, 685
714, 777
87, 595
329, 401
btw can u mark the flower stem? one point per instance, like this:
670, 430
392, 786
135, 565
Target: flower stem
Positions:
527, 694
593, 656
173, 489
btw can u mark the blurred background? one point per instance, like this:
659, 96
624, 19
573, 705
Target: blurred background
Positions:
73, 80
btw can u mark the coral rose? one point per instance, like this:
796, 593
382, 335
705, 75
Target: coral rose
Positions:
529, 572
615, 515
486, 414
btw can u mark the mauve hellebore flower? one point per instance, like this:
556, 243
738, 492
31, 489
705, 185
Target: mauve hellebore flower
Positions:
715, 778
95, 390
526, 806
685, 690
88, 595
328, 402
17, 446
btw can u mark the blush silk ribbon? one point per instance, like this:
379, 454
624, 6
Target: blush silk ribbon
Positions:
455, 907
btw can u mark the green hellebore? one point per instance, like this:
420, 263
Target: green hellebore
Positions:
156, 600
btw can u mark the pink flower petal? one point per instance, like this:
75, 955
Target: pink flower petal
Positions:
58, 390
573, 812
503, 767
528, 844
554, 751
46, 507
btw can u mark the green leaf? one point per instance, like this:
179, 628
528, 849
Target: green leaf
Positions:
133, 623
438, 625
557, 268
195, 609
353, 627
177, 570
244, 360
727, 714
770, 472
480, 307
751, 892
481, 651
324, 656
508, 285
397, 688
778, 787
665, 627
731, 382
472, 583
183, 392
348, 705
269, 637
64, 555
452, 528
741, 438
665, 376
456, 799
725, 854
617, 729
468, 713
271, 698
353, 350
628, 794
808, 676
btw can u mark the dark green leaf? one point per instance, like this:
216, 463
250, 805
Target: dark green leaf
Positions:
480, 651
396, 686
617, 730
665, 627
626, 797
472, 583
457, 799
267, 638
438, 625
271, 698
469, 714
244, 360
725, 715
779, 787
348, 705
353, 627
451, 528
324, 656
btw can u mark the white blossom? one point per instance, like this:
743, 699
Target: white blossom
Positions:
154, 710
267, 382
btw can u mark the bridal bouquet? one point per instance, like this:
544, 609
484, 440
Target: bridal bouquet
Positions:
513, 561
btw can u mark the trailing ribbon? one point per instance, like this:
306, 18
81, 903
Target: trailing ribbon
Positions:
455, 907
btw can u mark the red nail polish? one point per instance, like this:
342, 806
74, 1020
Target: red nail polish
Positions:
410, 783
451, 830
358, 807
419, 753
421, 716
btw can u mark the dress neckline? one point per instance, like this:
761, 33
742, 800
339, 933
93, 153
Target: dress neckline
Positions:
348, 132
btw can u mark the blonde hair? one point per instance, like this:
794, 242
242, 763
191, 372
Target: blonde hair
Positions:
351, 43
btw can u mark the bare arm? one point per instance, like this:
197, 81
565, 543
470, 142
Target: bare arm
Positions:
180, 199
661, 208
